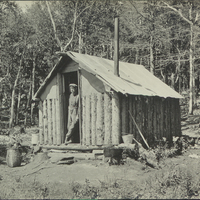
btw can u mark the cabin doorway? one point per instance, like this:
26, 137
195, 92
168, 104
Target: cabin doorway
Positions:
70, 77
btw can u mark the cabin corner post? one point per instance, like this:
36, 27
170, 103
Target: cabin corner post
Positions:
41, 133
116, 118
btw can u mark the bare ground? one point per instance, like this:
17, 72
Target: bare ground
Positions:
95, 179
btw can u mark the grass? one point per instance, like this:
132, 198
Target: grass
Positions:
177, 182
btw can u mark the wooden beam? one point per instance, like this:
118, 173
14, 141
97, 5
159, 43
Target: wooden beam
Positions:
49, 111
116, 120
100, 119
54, 121
45, 117
88, 119
41, 132
107, 118
93, 117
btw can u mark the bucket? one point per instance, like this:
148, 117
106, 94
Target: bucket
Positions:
127, 139
34, 139
13, 158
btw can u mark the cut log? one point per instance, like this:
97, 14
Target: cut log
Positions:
124, 115
45, 116
58, 138
83, 121
54, 121
107, 118
49, 110
93, 117
41, 133
88, 119
130, 107
116, 121
100, 119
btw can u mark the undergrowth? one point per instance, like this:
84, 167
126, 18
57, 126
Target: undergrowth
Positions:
177, 182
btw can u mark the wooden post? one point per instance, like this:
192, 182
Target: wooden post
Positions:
130, 108
161, 120
173, 123
154, 118
58, 138
169, 119
158, 108
133, 101
54, 121
178, 117
45, 116
124, 114
144, 116
100, 119
41, 133
59, 110
165, 117
138, 117
49, 121
88, 119
150, 120
107, 118
80, 105
93, 117
83, 141
116, 121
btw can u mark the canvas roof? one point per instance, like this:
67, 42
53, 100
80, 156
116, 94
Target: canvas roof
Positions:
134, 79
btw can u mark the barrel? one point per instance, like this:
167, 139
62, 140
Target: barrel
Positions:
34, 139
13, 157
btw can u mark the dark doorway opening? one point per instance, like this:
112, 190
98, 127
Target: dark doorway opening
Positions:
71, 77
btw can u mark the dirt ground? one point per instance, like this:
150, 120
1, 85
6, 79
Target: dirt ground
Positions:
94, 173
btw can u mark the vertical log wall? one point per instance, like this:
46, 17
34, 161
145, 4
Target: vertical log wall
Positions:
106, 117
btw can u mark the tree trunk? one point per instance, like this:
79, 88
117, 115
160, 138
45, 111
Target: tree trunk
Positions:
12, 113
152, 70
172, 80
27, 105
191, 100
33, 87
18, 105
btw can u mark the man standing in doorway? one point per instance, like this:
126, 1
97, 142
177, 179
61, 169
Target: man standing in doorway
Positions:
73, 116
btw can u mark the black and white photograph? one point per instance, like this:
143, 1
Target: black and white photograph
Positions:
100, 99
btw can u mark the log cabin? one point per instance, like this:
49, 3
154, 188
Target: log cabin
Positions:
106, 102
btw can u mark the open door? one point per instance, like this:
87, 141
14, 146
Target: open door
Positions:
71, 77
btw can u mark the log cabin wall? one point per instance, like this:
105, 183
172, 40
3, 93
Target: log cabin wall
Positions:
156, 117
51, 127
106, 118
105, 114
49, 123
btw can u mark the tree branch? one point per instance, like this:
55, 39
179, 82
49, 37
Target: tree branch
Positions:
139, 12
54, 26
179, 12
74, 23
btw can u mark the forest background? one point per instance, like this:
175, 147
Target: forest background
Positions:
164, 36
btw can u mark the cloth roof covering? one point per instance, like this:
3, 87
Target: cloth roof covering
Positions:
134, 79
